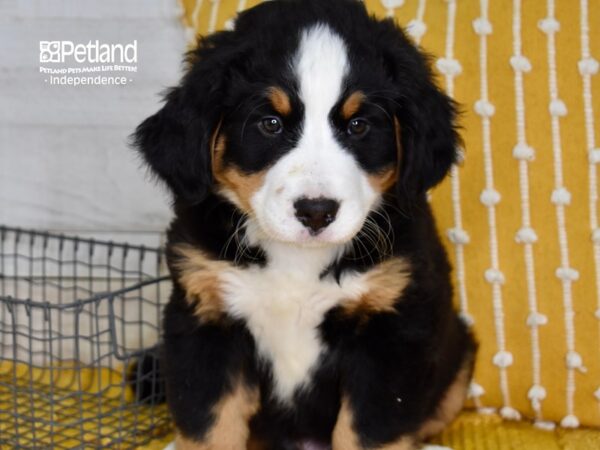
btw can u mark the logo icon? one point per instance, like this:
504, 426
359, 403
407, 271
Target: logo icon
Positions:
49, 51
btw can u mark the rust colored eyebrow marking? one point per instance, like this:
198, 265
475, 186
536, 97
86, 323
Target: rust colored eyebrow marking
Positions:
280, 100
352, 104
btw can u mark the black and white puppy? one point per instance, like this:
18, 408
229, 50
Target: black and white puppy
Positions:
312, 305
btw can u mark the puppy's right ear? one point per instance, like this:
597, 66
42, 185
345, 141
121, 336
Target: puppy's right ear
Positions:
176, 141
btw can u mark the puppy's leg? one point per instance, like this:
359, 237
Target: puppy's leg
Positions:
230, 426
211, 380
450, 405
348, 435
391, 397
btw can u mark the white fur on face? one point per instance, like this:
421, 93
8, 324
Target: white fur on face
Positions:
318, 166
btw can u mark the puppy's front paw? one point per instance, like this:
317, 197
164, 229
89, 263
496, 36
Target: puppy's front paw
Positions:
435, 447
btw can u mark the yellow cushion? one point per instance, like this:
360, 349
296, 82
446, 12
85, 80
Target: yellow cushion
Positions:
500, 301
488, 432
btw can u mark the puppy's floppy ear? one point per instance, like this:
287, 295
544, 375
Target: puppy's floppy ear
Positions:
427, 116
176, 141
429, 140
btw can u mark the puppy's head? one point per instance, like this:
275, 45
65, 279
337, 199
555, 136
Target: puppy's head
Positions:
302, 117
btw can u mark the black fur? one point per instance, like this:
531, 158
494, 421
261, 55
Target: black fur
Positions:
395, 367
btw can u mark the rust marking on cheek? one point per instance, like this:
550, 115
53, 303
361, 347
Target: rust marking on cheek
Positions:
232, 179
280, 100
385, 284
218, 143
352, 104
198, 274
243, 185
386, 178
230, 429
398, 136
383, 180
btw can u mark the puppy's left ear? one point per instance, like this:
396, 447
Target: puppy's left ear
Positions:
428, 138
426, 115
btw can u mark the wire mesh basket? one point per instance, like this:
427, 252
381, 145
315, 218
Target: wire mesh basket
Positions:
79, 325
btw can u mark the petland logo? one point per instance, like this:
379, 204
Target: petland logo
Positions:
65, 63
92, 52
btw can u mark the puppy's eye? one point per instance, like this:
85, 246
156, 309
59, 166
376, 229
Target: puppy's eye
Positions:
270, 125
358, 127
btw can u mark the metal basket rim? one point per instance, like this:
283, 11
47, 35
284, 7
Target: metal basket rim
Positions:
29, 303
63, 237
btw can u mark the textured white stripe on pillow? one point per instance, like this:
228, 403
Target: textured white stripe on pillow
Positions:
588, 66
214, 14
561, 199
526, 235
458, 236
417, 27
391, 5
490, 197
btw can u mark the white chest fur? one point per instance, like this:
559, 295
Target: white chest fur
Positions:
283, 305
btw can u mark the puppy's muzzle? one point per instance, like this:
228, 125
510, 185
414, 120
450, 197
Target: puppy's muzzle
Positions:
316, 213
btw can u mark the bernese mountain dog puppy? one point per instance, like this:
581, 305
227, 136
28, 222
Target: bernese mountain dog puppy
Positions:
311, 304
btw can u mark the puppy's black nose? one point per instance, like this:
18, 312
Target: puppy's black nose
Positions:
316, 213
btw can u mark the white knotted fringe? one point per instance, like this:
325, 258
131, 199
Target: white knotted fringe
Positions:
545, 425
490, 198
523, 151
192, 30
416, 28
535, 319
594, 153
241, 5
526, 235
561, 198
458, 236
448, 66
588, 66
214, 14
391, 5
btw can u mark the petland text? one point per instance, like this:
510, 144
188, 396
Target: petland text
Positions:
93, 52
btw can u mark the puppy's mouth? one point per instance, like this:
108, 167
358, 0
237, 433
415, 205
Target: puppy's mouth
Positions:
297, 233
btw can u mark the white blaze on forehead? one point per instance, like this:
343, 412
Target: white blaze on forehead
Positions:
319, 165
320, 65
